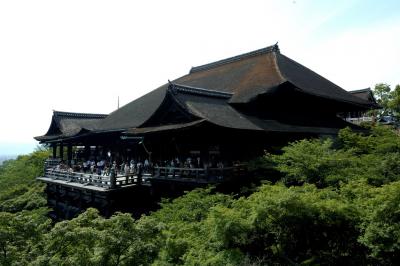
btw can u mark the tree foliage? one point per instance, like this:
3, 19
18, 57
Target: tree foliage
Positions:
332, 202
388, 99
373, 157
18, 188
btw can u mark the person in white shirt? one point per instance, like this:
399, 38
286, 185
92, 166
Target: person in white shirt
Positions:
126, 168
146, 165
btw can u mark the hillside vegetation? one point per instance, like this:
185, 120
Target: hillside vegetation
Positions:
323, 202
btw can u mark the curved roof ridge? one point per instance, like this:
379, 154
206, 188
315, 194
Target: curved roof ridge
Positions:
268, 49
198, 91
78, 115
278, 70
361, 90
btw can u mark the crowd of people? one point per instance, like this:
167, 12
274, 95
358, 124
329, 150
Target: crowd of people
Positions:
191, 162
134, 167
104, 167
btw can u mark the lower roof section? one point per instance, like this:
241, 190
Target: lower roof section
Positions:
259, 125
164, 128
211, 109
68, 124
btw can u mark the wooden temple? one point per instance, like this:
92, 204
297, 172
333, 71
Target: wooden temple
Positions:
361, 116
195, 130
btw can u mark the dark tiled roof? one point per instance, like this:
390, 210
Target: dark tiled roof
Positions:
249, 75
45, 138
136, 112
366, 90
219, 112
310, 82
71, 123
210, 92
214, 110
67, 115
199, 91
329, 126
68, 124
273, 48
366, 95
234, 80
146, 130
244, 78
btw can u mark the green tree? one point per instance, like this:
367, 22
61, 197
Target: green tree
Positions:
316, 162
18, 188
91, 239
184, 233
389, 99
380, 228
383, 95
394, 103
19, 233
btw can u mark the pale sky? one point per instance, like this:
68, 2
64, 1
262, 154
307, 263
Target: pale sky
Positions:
81, 55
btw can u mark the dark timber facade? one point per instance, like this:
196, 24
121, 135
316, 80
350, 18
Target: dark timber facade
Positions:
195, 130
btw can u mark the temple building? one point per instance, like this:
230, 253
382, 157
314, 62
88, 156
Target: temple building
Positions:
198, 128
360, 116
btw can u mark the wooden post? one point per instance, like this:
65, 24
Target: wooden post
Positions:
112, 178
87, 152
69, 154
45, 169
61, 151
54, 146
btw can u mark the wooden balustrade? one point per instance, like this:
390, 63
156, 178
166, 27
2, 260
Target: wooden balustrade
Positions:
207, 174
51, 162
111, 181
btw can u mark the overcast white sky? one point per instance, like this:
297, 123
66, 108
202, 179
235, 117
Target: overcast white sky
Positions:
81, 55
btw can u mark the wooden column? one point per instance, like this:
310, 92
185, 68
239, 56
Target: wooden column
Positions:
87, 152
113, 179
54, 146
61, 151
96, 152
69, 153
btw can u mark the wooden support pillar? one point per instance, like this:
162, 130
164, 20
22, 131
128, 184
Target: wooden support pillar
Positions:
96, 152
87, 152
61, 151
113, 180
69, 154
54, 146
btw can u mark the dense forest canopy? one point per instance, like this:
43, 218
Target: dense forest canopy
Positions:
328, 202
